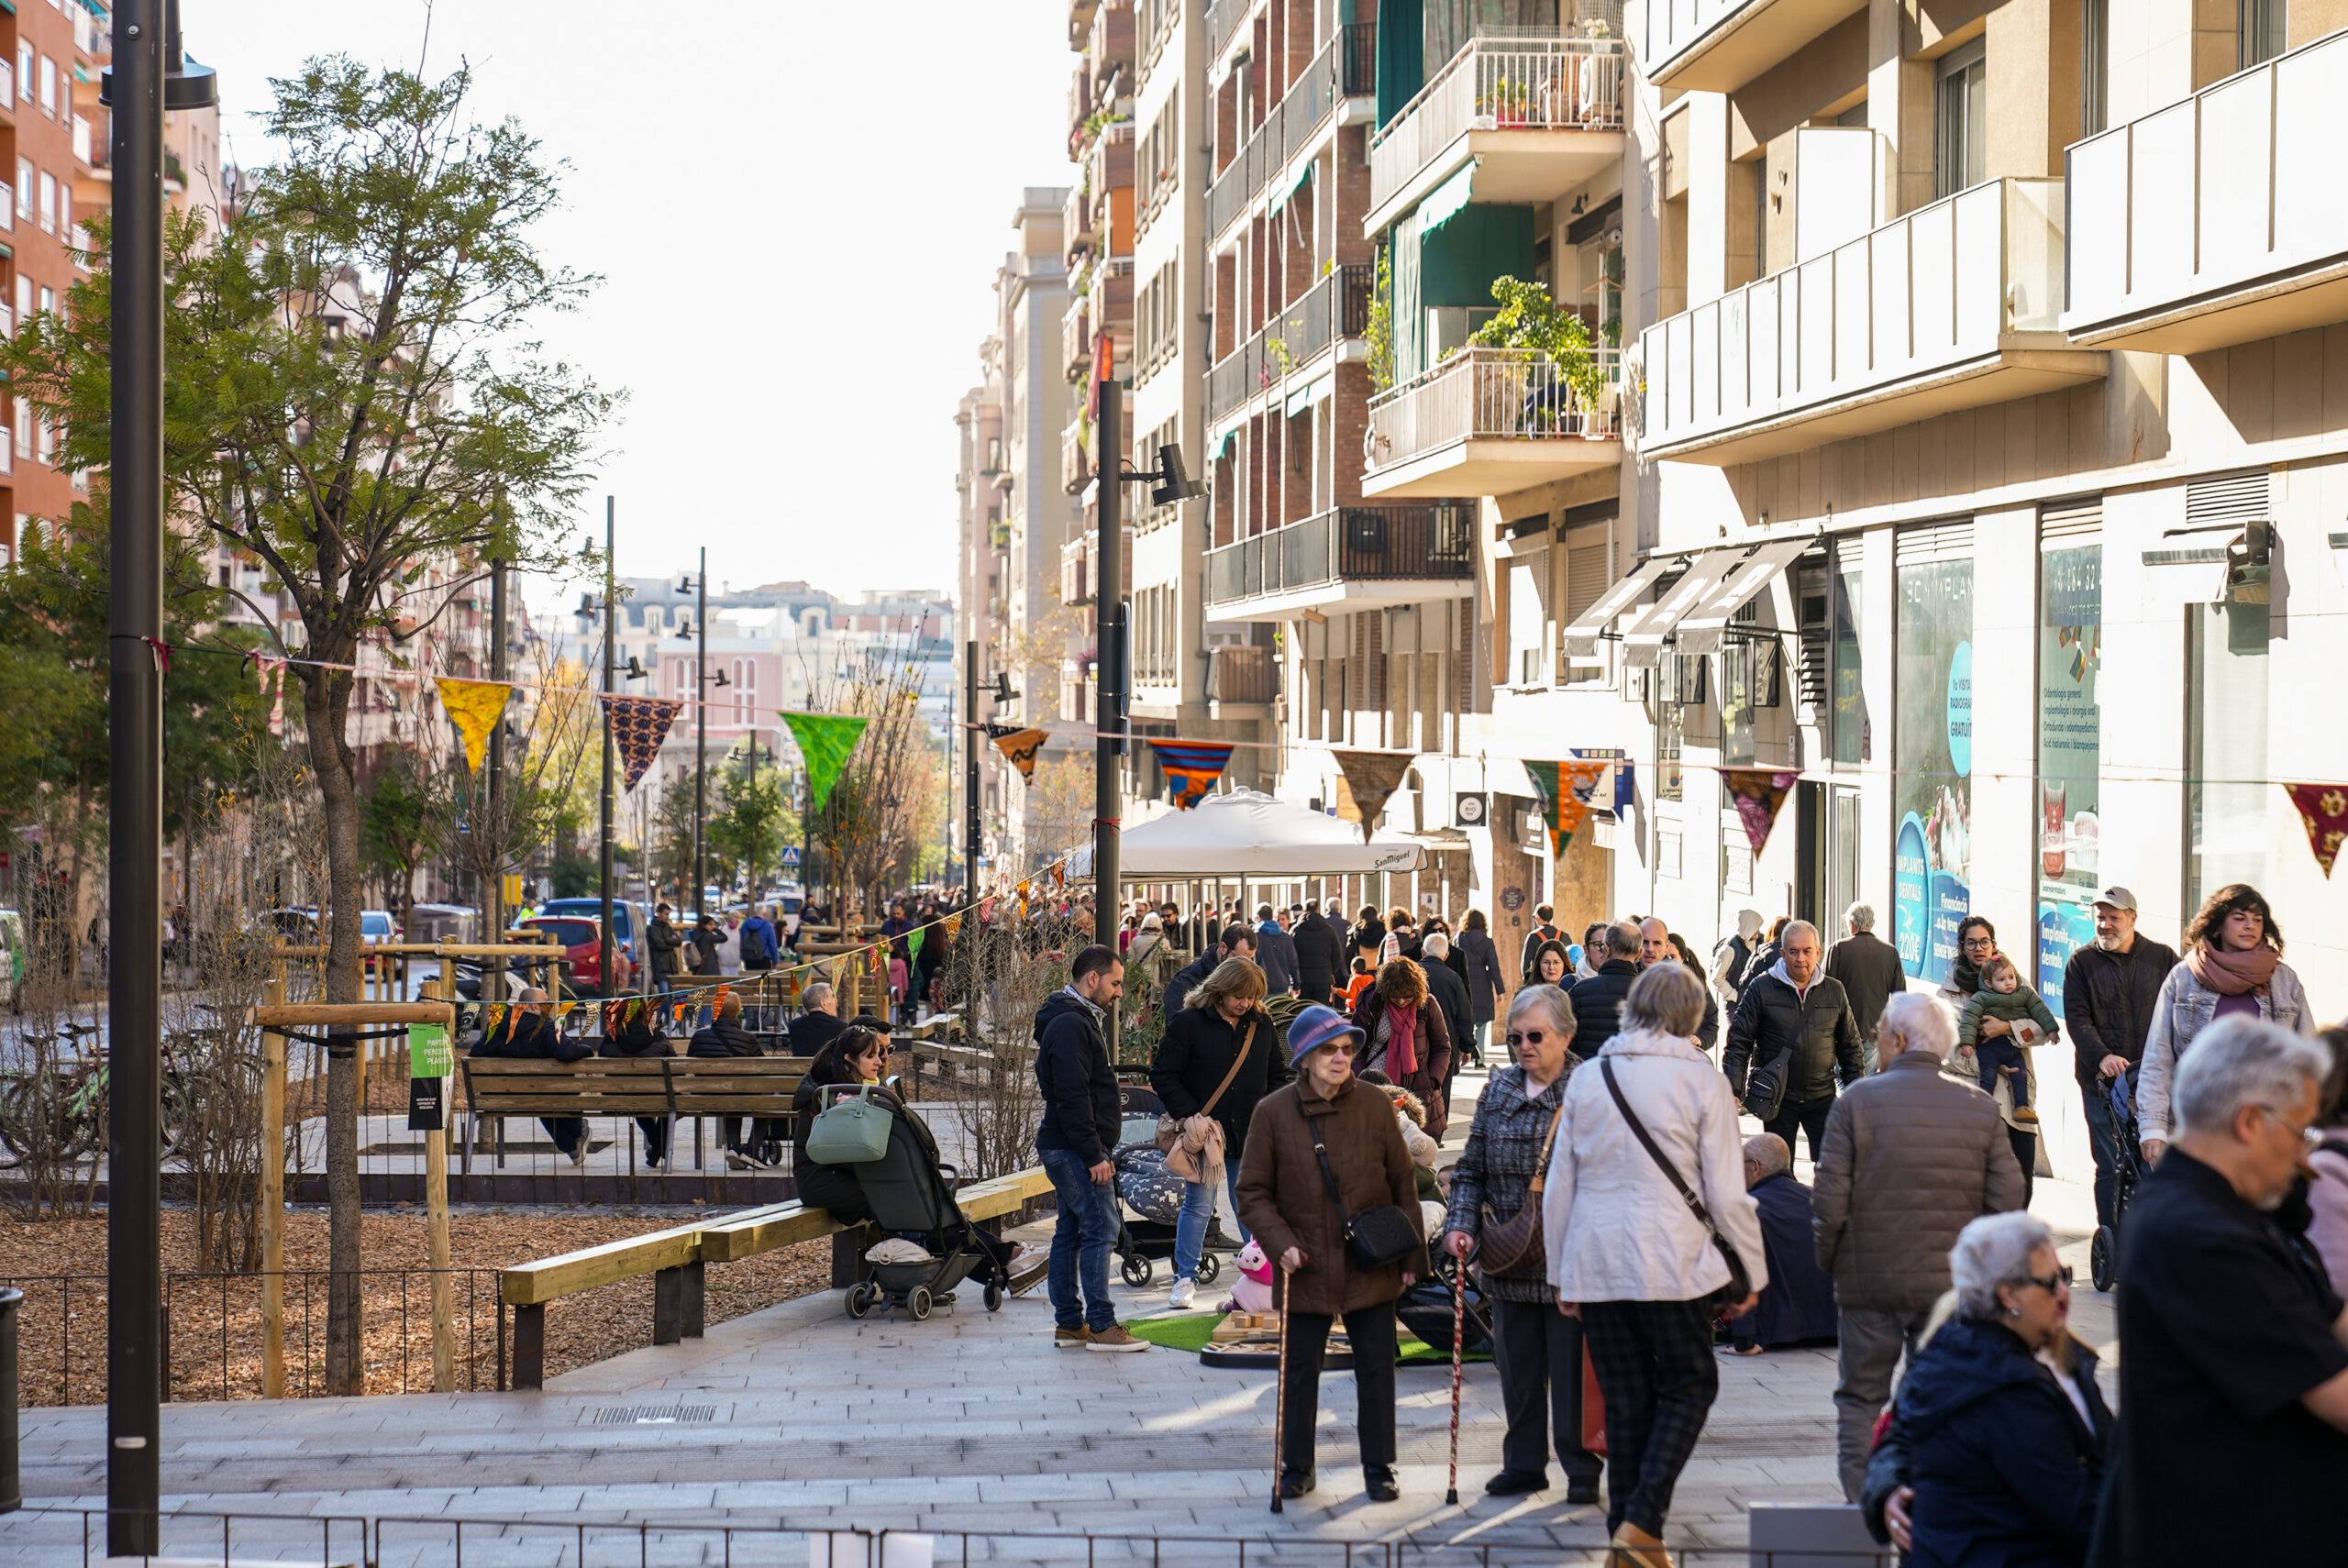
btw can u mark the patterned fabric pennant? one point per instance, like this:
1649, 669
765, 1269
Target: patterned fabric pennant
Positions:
1373, 776
1192, 766
2323, 812
1566, 788
1757, 792
638, 726
1021, 746
824, 742
474, 707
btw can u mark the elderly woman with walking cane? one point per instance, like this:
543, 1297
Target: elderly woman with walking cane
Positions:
1326, 1187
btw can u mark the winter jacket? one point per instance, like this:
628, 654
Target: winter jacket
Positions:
1800, 1303
833, 1188
2327, 1209
1449, 993
1816, 1025
1320, 957
1958, 992
1082, 1111
723, 1037
705, 942
1484, 984
1197, 1050
1911, 1157
635, 1036
1765, 958
2006, 1473
1435, 1055
1369, 934
1617, 1228
1495, 1171
811, 1032
2182, 1011
1275, 955
1598, 1003
520, 1036
1730, 958
663, 934
1187, 978
2108, 998
1867, 968
2013, 1006
1284, 1198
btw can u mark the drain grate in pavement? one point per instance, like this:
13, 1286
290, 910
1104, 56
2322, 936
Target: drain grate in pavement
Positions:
652, 1415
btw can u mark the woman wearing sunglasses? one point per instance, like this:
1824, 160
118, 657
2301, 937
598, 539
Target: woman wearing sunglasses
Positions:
1995, 1451
1537, 1347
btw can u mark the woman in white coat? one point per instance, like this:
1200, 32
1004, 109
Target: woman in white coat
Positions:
1630, 1256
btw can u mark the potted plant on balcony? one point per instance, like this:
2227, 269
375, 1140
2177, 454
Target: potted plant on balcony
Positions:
1507, 103
1535, 329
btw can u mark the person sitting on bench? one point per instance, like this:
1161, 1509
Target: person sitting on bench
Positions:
725, 1036
528, 1033
819, 1024
630, 1031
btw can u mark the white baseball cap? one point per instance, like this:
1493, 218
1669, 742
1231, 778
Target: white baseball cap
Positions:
2118, 897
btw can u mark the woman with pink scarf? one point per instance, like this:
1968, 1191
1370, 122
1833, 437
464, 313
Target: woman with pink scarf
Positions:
2233, 964
1407, 1039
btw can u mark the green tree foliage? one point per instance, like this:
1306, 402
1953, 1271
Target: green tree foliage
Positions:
406, 813
1529, 318
751, 823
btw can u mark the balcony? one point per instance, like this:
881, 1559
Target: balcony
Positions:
1224, 18
1241, 675
1491, 421
1952, 306
1076, 226
1079, 21
1113, 297
7, 209
1359, 557
1076, 337
1110, 42
1079, 566
2219, 219
1076, 457
1290, 127
1537, 115
1719, 46
1335, 307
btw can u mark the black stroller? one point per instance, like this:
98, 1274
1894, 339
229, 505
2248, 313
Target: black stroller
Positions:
1145, 1186
912, 1196
2103, 1253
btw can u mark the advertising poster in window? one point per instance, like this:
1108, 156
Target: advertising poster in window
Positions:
2070, 653
1932, 755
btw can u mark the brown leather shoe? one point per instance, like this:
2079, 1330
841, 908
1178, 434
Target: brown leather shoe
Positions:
1634, 1548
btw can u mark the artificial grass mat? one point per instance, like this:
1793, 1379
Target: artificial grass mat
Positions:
1191, 1331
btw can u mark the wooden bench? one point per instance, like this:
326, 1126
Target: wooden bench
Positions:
668, 1088
948, 1059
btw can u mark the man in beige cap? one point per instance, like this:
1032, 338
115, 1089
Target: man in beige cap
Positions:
2110, 989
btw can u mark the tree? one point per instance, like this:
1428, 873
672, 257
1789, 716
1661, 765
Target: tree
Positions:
352, 390
406, 815
753, 822
672, 849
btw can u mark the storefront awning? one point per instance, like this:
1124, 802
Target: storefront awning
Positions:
1642, 641
1448, 201
1597, 620
1704, 626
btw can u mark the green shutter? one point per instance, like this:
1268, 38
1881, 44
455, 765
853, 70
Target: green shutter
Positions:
1401, 55
1410, 309
1458, 262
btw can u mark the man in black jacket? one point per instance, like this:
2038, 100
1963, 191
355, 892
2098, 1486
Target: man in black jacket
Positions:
1238, 941
1319, 954
1275, 952
1867, 968
1082, 1117
2109, 991
1655, 947
1598, 1000
1794, 1011
527, 1033
725, 1036
663, 934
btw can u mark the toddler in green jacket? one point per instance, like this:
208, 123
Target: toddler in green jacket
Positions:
2002, 995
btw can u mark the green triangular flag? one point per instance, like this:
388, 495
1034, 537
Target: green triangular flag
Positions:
824, 742
914, 938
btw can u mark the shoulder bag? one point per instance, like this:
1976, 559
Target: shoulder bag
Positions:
854, 1132
1740, 1283
1375, 1237
1181, 1159
1516, 1248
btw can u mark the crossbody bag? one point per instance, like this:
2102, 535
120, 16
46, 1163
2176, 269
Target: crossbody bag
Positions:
1181, 1159
1740, 1283
1375, 1237
1516, 1248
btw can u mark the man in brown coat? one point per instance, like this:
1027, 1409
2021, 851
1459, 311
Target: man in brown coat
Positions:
1284, 1198
1912, 1158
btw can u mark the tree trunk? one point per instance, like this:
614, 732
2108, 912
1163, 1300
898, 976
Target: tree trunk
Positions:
327, 712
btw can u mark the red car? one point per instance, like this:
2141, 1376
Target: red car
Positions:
583, 951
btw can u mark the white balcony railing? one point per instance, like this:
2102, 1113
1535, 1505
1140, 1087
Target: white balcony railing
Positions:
2230, 187
7, 208
1943, 285
1501, 83
1491, 394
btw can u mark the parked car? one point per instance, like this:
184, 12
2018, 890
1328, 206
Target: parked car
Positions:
581, 941
377, 925
628, 921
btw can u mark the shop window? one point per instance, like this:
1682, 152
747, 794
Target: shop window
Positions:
1847, 717
1933, 754
2226, 801
2070, 743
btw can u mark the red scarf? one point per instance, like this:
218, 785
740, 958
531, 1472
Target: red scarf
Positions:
1401, 1042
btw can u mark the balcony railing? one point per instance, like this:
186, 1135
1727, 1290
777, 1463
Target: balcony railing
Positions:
1940, 289
1241, 672
1358, 60
1079, 566
1337, 306
1501, 83
1223, 20
7, 208
1113, 295
1076, 457
1491, 395
2233, 187
1076, 225
8, 87
1111, 43
1721, 45
1076, 336
1288, 128
8, 450
1369, 544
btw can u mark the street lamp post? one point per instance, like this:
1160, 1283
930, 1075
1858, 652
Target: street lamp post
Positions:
611, 593
701, 726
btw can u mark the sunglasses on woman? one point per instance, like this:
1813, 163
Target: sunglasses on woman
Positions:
2060, 1277
1526, 1037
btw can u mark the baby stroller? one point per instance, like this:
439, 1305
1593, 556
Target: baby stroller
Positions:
2103, 1253
1150, 1191
912, 1196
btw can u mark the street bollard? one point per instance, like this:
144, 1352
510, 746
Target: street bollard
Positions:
12, 1491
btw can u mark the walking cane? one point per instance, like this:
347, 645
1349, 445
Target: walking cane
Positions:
1458, 1333
1280, 1394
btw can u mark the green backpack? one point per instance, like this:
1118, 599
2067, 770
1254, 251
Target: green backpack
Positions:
852, 1133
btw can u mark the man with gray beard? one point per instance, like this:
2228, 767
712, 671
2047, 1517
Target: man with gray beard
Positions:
2108, 992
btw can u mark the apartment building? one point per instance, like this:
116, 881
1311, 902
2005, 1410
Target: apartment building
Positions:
982, 541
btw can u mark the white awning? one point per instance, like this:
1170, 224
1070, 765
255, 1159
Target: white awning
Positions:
1701, 630
1642, 642
2189, 566
1242, 832
1582, 637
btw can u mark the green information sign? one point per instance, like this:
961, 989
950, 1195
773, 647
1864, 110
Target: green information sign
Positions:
429, 1055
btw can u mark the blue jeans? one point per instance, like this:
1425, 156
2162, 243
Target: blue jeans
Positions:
1198, 1210
2103, 1139
1082, 1238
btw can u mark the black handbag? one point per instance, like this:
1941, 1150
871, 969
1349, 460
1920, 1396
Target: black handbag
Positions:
1740, 1283
1375, 1237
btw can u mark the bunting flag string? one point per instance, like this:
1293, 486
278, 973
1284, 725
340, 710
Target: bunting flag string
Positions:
474, 707
824, 742
638, 726
1022, 747
1566, 788
1192, 766
1757, 792
1373, 776
2323, 812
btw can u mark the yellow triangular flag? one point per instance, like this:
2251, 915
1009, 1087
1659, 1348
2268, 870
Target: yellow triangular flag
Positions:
475, 706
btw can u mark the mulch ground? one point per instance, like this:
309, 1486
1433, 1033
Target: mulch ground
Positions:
215, 1322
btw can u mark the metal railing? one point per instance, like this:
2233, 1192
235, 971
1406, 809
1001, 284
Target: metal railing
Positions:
1337, 306
1501, 83
1288, 127
1075, 335
1483, 394
1358, 60
1241, 672
1434, 540
1676, 26
1076, 458
1224, 18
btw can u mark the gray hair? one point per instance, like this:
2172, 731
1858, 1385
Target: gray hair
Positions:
1796, 927
1860, 917
816, 994
1667, 998
1551, 1000
1435, 944
1622, 939
1993, 1251
2241, 1062
1769, 1153
1920, 1022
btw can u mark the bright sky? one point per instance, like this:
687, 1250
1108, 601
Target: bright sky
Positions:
797, 208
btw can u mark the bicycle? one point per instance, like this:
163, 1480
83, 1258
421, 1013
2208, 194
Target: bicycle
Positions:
62, 1107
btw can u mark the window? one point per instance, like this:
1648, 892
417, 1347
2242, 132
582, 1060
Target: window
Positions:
2260, 31
1932, 750
1848, 720
1960, 120
48, 439
2070, 721
1740, 724
24, 185
48, 86
24, 297
2227, 830
25, 71
1670, 736
24, 418
47, 202
48, 301
2095, 66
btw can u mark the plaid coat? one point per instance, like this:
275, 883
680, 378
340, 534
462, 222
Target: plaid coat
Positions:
1495, 1170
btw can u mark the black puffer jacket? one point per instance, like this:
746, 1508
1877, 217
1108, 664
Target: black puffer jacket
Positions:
1320, 957
1483, 960
1817, 1026
1198, 1049
1082, 1111
723, 1037
1598, 1003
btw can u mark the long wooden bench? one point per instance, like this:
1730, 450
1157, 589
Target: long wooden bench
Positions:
678, 1260
668, 1088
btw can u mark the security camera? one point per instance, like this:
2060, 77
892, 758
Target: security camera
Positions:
1174, 480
